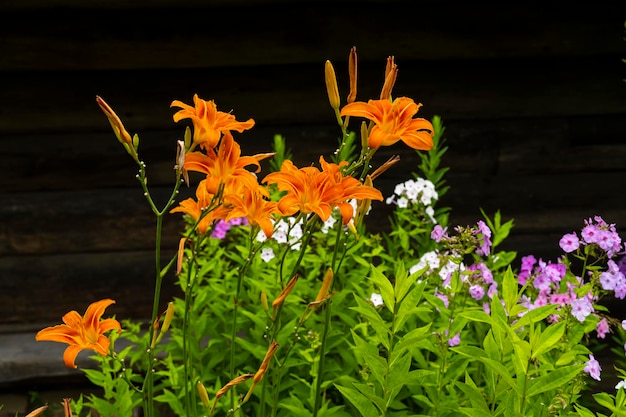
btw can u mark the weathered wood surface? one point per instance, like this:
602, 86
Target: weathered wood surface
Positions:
534, 106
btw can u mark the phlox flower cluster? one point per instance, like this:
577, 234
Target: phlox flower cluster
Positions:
287, 231
221, 227
419, 191
475, 240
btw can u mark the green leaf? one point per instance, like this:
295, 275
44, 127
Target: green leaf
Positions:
548, 339
554, 379
363, 404
384, 286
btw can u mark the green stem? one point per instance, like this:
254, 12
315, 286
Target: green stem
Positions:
327, 315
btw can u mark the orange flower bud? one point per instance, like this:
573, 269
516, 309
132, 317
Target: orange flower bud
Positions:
258, 376
67, 411
352, 71
37, 411
391, 73
331, 85
284, 293
326, 284
225, 388
118, 128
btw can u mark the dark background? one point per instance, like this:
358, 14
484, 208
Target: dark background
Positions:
533, 101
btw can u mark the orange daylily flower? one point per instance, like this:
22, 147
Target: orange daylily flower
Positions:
226, 166
310, 190
255, 206
393, 122
208, 123
82, 332
196, 208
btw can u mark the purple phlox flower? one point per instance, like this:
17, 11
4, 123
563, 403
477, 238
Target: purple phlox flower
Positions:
484, 234
582, 307
528, 262
487, 308
602, 328
620, 286
476, 291
220, 229
621, 263
442, 297
438, 233
455, 340
239, 221
492, 290
592, 367
569, 242
608, 278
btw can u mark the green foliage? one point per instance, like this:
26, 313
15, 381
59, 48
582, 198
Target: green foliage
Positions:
421, 320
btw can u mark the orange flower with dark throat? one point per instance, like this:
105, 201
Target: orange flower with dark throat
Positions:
226, 166
208, 123
310, 190
82, 332
196, 209
254, 204
393, 121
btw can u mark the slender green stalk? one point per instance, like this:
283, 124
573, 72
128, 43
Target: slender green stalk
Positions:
327, 315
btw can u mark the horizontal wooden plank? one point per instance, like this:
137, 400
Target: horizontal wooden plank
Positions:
41, 288
60, 102
83, 37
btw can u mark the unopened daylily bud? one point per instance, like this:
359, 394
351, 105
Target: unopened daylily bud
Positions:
352, 72
236, 381
181, 255
331, 85
118, 128
187, 138
37, 411
180, 161
167, 320
284, 293
67, 410
258, 376
390, 79
203, 394
264, 303
364, 136
326, 284
384, 167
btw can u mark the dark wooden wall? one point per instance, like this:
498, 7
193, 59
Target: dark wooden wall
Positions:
533, 101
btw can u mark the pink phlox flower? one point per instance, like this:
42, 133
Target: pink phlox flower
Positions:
581, 308
438, 233
569, 242
602, 328
484, 234
528, 262
592, 367
553, 318
540, 301
590, 233
561, 299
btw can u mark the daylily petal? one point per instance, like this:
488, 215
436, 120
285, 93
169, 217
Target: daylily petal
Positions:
70, 354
